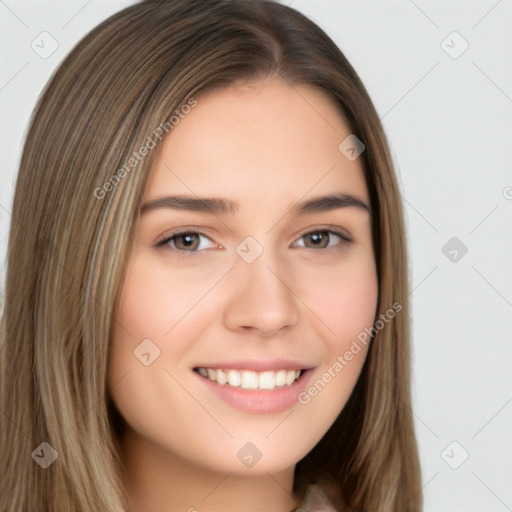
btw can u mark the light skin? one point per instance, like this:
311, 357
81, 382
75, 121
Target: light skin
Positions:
270, 148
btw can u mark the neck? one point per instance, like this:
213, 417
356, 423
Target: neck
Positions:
159, 481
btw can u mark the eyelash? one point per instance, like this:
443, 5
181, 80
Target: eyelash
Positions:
345, 239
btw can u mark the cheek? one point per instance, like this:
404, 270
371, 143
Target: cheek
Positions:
344, 297
159, 306
150, 306
350, 307
142, 313
154, 300
345, 300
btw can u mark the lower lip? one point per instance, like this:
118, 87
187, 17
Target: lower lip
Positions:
256, 400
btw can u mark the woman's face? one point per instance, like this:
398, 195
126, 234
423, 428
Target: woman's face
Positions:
252, 263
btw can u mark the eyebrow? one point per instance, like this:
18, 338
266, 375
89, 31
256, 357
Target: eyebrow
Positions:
223, 206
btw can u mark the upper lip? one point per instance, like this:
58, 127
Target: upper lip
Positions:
257, 365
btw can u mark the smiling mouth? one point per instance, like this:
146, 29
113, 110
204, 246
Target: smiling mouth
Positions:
246, 379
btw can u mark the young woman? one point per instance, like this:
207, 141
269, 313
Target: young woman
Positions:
206, 301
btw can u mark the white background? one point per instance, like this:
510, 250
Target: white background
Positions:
449, 124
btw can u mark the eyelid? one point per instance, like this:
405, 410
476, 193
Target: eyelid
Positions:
165, 239
333, 228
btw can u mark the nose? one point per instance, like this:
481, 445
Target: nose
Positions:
261, 299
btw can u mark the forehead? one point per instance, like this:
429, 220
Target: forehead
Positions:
263, 141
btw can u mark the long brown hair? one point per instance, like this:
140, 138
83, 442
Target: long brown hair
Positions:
75, 208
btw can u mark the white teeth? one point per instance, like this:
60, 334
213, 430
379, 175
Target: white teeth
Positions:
281, 378
250, 379
267, 380
290, 377
234, 378
221, 377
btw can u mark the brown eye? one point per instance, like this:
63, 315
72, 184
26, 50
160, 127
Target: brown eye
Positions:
317, 239
186, 241
323, 239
